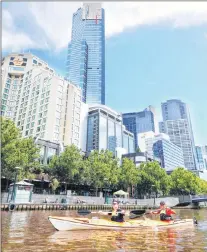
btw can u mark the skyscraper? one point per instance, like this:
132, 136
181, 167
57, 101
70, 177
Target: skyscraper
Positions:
106, 131
200, 159
177, 124
139, 122
86, 52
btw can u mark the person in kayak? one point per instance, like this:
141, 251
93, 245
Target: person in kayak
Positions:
116, 214
164, 212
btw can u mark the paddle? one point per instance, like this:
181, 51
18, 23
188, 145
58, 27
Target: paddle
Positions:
86, 212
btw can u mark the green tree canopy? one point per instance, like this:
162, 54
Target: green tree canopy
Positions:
152, 178
184, 181
17, 151
102, 169
128, 174
66, 166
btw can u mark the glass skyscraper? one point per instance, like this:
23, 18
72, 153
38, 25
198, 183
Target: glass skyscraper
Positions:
171, 155
177, 124
106, 131
139, 122
200, 158
86, 52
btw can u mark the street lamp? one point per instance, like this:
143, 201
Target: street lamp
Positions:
17, 169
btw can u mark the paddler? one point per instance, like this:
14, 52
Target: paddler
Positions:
164, 212
116, 214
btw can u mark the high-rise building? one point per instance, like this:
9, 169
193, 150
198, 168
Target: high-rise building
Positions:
204, 154
48, 106
199, 157
106, 131
41, 103
159, 147
139, 122
177, 124
86, 52
14, 66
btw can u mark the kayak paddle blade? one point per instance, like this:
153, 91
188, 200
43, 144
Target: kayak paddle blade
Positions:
83, 212
138, 211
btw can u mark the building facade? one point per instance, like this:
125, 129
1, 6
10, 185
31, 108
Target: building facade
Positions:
159, 147
138, 158
86, 52
139, 122
48, 106
106, 131
170, 155
200, 158
14, 67
177, 124
204, 154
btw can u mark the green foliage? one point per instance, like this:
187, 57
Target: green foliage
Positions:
54, 184
128, 174
66, 166
184, 181
16, 151
152, 178
102, 169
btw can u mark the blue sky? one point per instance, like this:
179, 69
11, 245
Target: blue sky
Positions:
156, 52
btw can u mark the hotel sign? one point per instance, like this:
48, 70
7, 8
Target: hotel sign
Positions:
18, 61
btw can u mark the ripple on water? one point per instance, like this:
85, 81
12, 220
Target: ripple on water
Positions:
31, 231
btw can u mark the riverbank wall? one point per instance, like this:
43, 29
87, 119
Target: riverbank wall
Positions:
74, 200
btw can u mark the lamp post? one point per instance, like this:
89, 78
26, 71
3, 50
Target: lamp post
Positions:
12, 197
153, 186
105, 182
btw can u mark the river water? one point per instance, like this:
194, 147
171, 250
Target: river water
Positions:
31, 231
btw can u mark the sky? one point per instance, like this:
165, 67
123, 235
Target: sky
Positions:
155, 51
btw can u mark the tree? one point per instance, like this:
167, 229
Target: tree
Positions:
128, 174
17, 151
184, 181
138, 150
152, 178
54, 184
102, 167
66, 166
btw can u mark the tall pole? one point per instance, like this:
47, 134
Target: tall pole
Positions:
12, 197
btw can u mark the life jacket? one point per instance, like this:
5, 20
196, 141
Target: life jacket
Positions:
165, 214
117, 216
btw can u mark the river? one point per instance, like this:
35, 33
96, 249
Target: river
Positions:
31, 231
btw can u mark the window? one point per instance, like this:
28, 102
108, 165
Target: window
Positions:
27, 126
38, 129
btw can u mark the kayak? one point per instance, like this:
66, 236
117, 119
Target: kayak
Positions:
70, 223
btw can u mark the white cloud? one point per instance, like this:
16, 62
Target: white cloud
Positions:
12, 40
54, 19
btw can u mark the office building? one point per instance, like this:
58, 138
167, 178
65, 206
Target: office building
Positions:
204, 154
177, 124
106, 131
138, 158
200, 158
86, 52
48, 107
159, 147
170, 155
139, 122
14, 66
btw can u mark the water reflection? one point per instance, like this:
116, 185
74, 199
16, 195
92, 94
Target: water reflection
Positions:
31, 231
